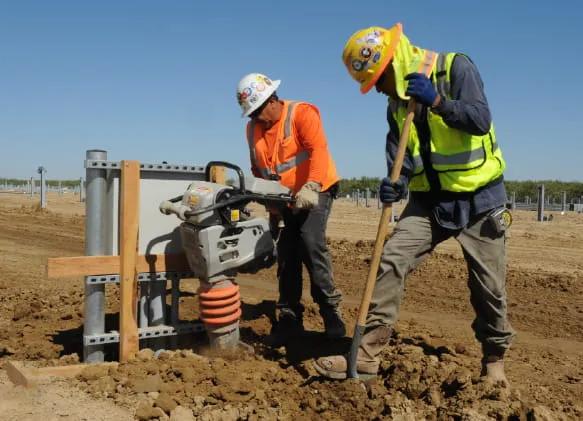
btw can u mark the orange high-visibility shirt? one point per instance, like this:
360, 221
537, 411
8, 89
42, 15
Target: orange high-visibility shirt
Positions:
295, 148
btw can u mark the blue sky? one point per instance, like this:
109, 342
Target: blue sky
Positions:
155, 80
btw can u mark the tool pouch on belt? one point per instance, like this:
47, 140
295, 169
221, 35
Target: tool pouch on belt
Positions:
501, 219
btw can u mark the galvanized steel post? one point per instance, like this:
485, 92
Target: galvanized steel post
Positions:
563, 201
94, 315
81, 188
43, 188
541, 203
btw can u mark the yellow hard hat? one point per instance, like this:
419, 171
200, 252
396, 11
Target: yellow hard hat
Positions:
367, 53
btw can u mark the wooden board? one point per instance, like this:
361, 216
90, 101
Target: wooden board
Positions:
66, 267
29, 376
129, 219
218, 175
18, 374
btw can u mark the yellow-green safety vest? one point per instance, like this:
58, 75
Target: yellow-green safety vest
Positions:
463, 162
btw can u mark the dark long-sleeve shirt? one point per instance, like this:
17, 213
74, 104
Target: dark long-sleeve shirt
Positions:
468, 111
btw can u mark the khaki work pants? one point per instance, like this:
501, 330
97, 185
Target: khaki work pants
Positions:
414, 237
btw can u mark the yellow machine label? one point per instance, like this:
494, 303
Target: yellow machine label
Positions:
234, 215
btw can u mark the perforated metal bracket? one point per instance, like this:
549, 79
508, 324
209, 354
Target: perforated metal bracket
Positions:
145, 333
174, 168
142, 277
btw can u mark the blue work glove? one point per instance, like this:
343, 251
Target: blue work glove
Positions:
390, 192
420, 88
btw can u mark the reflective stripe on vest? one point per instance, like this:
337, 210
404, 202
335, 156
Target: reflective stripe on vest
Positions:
461, 157
429, 57
443, 86
472, 161
284, 166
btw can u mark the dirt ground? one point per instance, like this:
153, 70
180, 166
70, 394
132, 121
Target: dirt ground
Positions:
429, 371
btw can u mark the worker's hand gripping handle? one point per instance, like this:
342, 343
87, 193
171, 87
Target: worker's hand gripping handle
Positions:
378, 247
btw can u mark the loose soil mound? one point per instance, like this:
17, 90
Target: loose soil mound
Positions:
429, 371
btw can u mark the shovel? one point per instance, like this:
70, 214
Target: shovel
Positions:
378, 247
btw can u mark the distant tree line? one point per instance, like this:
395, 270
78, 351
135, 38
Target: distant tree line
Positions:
553, 188
50, 183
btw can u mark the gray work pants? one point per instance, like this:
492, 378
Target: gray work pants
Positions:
303, 241
414, 237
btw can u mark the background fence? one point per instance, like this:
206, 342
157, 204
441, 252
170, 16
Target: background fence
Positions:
541, 203
366, 197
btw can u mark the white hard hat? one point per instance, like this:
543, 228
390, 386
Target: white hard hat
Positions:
253, 90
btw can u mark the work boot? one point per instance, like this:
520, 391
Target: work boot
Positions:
367, 359
333, 325
493, 365
288, 327
493, 368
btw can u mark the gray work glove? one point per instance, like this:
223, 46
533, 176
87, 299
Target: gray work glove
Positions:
308, 195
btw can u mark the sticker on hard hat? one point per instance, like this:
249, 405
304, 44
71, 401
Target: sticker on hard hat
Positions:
372, 38
369, 52
366, 52
359, 65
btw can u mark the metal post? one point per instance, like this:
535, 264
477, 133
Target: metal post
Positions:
94, 318
43, 188
81, 189
367, 197
513, 201
60, 188
32, 187
541, 202
357, 197
157, 312
563, 201
174, 313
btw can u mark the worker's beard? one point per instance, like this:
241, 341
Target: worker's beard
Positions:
267, 124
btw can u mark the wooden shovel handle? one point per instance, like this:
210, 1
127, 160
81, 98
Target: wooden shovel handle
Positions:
378, 247
385, 217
